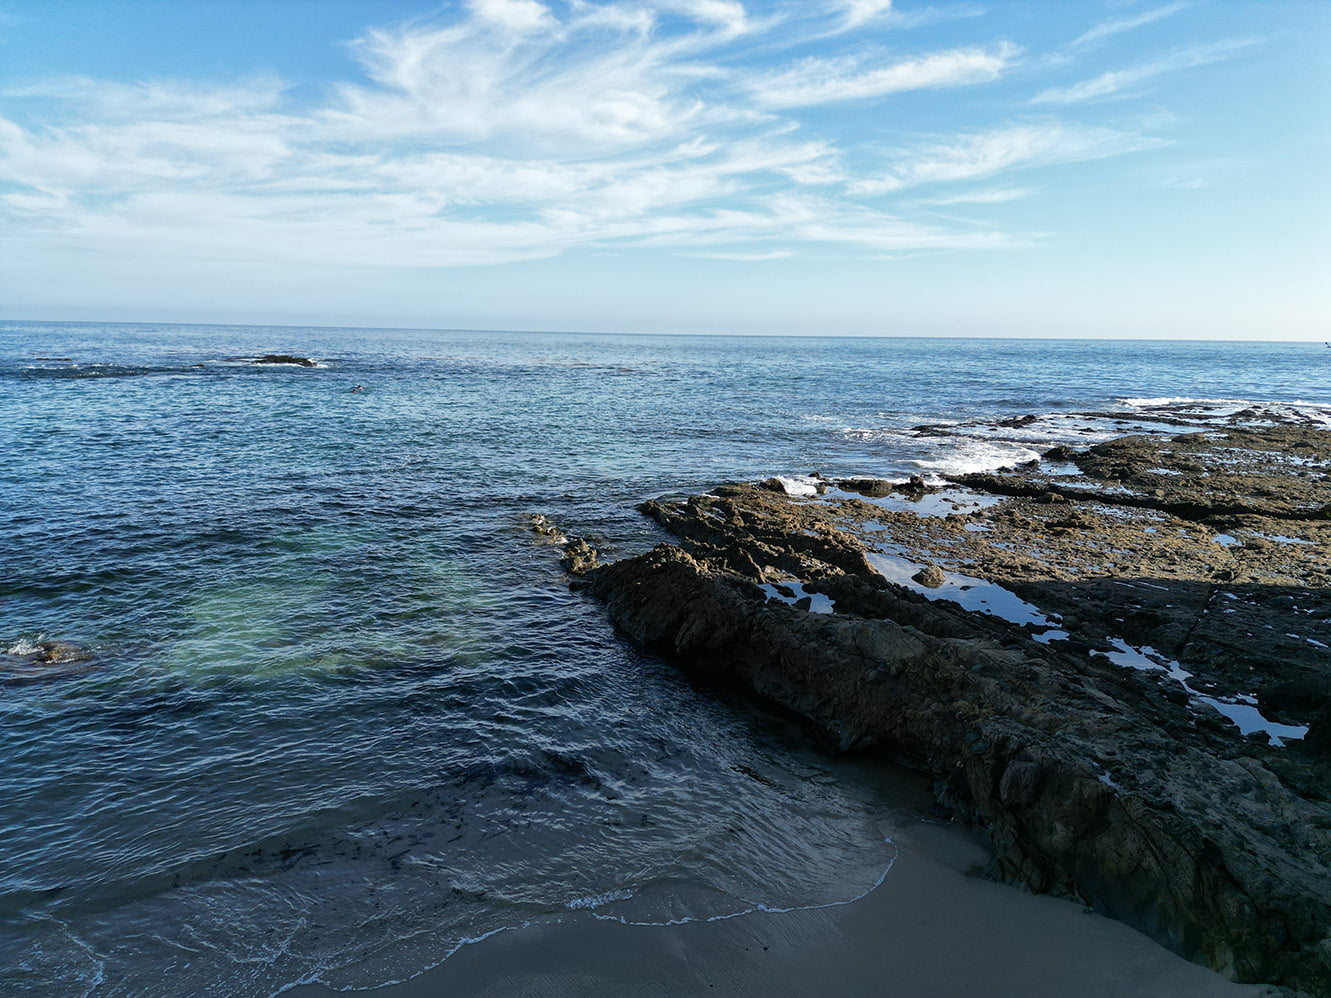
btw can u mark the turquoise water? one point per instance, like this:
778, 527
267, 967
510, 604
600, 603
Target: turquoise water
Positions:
343, 712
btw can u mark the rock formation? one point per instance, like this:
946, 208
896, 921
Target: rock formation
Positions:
1118, 672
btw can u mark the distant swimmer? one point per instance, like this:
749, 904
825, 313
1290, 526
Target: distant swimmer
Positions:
359, 388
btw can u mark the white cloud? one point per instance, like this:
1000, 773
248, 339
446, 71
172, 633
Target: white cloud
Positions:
857, 12
989, 196
987, 153
823, 81
1108, 28
173, 100
515, 131
515, 15
1117, 82
726, 14
598, 81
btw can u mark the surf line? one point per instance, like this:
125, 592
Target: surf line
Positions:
756, 907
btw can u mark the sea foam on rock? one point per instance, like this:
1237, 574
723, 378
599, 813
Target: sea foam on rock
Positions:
1122, 787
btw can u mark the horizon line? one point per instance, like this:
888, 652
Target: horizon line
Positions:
708, 335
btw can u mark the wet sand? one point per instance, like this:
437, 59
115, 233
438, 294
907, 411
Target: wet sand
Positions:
932, 930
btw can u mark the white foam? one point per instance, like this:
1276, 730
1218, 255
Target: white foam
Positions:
969, 455
930, 505
758, 907
1208, 409
798, 485
594, 901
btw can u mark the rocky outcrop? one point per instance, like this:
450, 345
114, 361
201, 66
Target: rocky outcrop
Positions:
578, 557
1069, 671
284, 358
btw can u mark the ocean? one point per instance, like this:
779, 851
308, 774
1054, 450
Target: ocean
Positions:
343, 714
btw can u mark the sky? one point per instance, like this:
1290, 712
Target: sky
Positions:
1104, 168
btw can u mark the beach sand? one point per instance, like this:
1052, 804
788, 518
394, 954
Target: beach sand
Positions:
933, 928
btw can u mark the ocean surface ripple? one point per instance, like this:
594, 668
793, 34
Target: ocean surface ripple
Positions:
342, 713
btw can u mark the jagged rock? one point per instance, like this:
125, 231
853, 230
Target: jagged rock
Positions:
579, 557
545, 527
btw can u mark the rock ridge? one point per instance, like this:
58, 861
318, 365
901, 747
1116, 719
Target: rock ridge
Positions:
1130, 703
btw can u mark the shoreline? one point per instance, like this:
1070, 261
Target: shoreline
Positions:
1110, 659
932, 928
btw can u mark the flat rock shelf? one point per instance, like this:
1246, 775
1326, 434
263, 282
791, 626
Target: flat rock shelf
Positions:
1114, 662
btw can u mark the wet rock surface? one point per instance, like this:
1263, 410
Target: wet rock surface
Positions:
1118, 667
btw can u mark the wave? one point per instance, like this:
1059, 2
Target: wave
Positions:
949, 447
1249, 411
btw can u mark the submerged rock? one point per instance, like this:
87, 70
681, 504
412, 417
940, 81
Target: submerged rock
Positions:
542, 525
45, 660
60, 652
1080, 688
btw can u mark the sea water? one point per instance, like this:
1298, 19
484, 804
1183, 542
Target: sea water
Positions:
343, 713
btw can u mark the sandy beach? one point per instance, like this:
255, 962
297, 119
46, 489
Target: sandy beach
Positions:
932, 930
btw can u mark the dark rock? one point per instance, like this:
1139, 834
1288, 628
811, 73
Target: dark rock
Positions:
283, 358
60, 653
544, 526
579, 557
48, 660
872, 487
1317, 742
1297, 698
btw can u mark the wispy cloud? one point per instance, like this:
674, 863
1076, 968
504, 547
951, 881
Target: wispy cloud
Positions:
857, 12
1123, 81
998, 195
1107, 28
742, 257
517, 130
823, 81
985, 154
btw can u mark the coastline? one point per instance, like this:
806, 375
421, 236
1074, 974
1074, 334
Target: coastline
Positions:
932, 929
1111, 660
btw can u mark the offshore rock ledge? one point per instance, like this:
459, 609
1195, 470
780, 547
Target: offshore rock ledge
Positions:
1116, 666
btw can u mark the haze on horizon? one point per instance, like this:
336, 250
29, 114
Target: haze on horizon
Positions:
852, 167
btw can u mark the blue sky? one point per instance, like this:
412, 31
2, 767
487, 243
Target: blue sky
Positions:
860, 167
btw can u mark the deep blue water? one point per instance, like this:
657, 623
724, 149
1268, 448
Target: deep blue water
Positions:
344, 712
